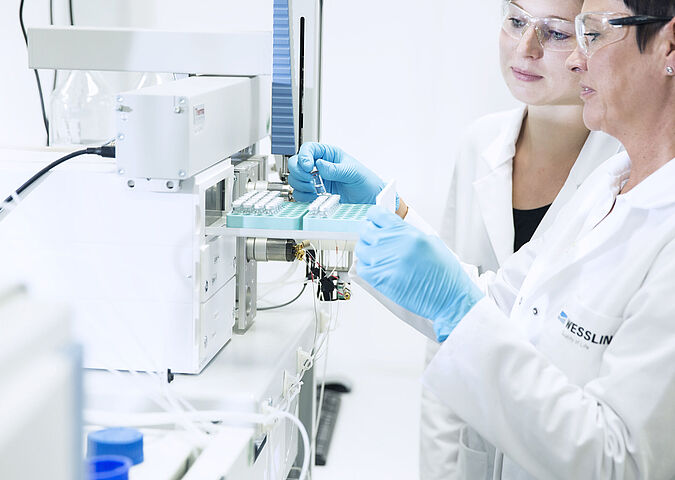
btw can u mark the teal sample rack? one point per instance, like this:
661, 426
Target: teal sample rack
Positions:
347, 218
289, 218
294, 216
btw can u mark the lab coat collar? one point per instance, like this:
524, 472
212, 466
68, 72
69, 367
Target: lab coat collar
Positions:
573, 239
655, 191
503, 147
597, 149
494, 191
592, 153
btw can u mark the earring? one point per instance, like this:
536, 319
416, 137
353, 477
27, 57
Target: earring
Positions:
670, 70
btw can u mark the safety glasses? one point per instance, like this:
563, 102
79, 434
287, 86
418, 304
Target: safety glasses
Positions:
595, 30
554, 34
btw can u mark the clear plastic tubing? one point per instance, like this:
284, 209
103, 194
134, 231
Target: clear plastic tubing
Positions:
318, 182
329, 206
314, 206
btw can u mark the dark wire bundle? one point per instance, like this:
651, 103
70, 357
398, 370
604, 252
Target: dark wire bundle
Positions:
45, 120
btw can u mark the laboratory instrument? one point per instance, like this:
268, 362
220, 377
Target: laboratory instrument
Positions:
175, 175
140, 246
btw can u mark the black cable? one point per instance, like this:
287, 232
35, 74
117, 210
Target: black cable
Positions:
70, 9
37, 75
287, 303
51, 22
104, 151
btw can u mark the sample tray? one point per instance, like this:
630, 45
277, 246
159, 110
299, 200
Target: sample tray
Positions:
289, 218
347, 218
293, 219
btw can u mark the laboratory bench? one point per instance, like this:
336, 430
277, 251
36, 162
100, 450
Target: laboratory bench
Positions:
249, 371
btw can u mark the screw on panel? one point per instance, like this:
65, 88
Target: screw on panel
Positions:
131, 184
120, 171
120, 137
170, 185
181, 173
206, 286
120, 98
206, 341
177, 109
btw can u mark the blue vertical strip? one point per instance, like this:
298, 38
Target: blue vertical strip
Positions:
283, 125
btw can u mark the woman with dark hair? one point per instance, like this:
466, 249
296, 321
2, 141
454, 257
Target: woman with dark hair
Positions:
562, 363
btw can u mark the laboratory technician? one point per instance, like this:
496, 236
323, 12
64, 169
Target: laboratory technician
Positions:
508, 170
506, 173
565, 357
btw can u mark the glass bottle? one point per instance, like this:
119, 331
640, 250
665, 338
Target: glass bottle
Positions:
82, 110
150, 79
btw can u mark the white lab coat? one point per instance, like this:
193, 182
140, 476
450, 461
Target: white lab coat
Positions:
478, 226
568, 364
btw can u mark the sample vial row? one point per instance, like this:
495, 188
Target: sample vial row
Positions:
324, 205
258, 203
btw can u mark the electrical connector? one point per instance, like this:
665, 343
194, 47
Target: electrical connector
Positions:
291, 382
305, 360
104, 151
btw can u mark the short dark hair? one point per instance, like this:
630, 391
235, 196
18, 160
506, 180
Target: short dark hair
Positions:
656, 8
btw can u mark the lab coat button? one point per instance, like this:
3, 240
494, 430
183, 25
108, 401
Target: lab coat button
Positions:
535, 311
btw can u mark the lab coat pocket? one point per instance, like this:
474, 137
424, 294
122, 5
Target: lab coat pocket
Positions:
472, 460
582, 337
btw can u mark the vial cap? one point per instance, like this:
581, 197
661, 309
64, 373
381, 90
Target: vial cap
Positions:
108, 467
127, 442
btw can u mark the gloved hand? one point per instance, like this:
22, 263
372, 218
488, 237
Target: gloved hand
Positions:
342, 175
415, 270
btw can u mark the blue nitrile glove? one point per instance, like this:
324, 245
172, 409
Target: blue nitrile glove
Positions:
415, 270
342, 175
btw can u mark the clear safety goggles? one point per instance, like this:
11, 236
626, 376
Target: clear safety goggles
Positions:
553, 34
595, 30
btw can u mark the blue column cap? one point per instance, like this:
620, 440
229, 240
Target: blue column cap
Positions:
123, 441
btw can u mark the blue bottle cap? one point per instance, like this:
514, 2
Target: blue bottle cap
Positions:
108, 467
123, 441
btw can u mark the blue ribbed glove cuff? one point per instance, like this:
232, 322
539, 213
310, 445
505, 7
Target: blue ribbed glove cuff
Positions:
460, 306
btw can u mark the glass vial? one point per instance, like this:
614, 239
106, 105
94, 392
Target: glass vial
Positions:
319, 187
